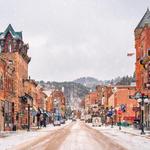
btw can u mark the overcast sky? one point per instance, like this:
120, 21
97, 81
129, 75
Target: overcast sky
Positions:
75, 38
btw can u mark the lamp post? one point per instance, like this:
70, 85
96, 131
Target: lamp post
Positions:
28, 117
28, 108
119, 114
141, 99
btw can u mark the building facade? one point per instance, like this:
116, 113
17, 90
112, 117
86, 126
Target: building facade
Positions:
142, 45
121, 102
14, 50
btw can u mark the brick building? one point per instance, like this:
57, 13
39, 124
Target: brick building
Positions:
90, 100
142, 45
6, 94
120, 98
14, 50
41, 98
58, 96
104, 92
30, 93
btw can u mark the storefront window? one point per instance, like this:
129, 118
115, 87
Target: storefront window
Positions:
8, 113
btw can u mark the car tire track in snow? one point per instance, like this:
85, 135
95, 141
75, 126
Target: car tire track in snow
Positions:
75, 136
42, 142
108, 143
82, 137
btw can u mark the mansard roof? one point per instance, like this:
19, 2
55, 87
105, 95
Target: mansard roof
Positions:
15, 35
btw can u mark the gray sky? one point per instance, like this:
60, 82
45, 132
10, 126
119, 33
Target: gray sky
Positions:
74, 38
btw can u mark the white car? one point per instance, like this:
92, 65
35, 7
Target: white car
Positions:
96, 121
56, 123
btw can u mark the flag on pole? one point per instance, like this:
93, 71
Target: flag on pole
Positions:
130, 54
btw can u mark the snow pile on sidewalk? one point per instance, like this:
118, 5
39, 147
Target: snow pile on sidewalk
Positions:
23, 136
127, 137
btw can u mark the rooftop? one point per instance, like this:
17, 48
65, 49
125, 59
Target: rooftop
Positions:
145, 20
15, 35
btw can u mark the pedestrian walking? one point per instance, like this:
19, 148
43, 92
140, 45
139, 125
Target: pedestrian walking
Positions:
38, 120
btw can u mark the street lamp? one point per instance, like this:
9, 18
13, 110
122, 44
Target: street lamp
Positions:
141, 99
28, 108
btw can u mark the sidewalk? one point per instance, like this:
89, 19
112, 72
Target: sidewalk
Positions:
136, 132
4, 134
129, 130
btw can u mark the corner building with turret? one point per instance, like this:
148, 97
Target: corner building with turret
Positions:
14, 51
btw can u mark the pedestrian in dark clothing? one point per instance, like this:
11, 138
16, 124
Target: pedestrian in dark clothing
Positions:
38, 120
44, 119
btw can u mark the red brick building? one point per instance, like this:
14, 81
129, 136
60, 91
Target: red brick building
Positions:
15, 51
142, 45
119, 98
6, 93
58, 95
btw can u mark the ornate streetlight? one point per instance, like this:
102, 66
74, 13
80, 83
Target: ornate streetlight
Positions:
141, 99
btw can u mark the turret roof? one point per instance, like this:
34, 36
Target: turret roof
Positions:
145, 20
15, 35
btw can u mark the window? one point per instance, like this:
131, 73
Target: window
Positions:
9, 47
148, 51
1, 81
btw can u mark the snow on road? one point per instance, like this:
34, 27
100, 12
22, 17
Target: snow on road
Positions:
79, 139
21, 137
83, 138
130, 141
75, 136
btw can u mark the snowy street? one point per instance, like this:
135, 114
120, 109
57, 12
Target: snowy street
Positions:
128, 137
20, 138
75, 136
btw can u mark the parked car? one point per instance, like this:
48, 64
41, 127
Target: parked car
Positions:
56, 123
96, 121
62, 121
88, 118
82, 117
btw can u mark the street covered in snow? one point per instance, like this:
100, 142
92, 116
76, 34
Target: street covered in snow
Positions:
77, 136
